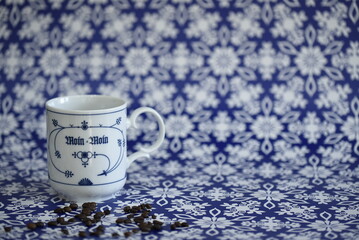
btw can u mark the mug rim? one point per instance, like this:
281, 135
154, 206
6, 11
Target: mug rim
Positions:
109, 104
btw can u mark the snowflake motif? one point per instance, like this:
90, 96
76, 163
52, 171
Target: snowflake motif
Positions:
35, 26
245, 25
54, 61
332, 24
77, 26
161, 25
348, 60
333, 96
289, 96
312, 128
201, 96
244, 95
181, 61
96, 61
15, 61
267, 61
288, 24
158, 95
221, 127
202, 25
311, 60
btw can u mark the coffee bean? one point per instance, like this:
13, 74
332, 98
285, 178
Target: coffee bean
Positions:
93, 205
115, 234
82, 234
72, 220
156, 227
119, 220
60, 220
148, 206
156, 222
154, 216
88, 223
127, 209
67, 209
129, 216
86, 211
173, 226
96, 233
127, 234
184, 224
65, 231
145, 227
86, 205
31, 226
135, 230
59, 210
101, 228
99, 214
73, 206
40, 224
138, 219
7, 229
107, 212
52, 224
177, 224
144, 214
127, 221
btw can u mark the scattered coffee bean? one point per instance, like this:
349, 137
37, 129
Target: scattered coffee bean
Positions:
148, 206
82, 234
135, 230
101, 228
156, 227
88, 223
129, 216
40, 224
127, 221
65, 231
7, 229
156, 222
60, 220
67, 209
73, 206
120, 220
173, 226
31, 226
154, 216
72, 220
127, 209
86, 211
107, 212
96, 233
115, 234
127, 234
184, 224
59, 210
138, 219
80, 216
52, 224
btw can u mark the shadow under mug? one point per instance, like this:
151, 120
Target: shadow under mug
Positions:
87, 145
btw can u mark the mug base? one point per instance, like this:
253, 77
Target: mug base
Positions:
81, 194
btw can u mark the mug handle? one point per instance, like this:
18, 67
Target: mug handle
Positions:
144, 151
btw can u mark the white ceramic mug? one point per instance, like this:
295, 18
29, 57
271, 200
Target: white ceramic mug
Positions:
86, 145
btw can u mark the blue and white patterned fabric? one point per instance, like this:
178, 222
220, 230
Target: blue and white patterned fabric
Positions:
260, 100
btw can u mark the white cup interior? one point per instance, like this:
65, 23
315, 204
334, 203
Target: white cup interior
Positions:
84, 103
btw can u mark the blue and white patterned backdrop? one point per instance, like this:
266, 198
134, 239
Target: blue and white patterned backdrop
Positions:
260, 100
